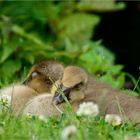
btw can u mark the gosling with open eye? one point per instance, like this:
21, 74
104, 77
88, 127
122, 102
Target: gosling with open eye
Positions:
109, 100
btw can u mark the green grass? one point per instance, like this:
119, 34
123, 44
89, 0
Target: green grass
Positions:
88, 128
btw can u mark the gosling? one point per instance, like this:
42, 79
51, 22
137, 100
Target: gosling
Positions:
39, 81
79, 87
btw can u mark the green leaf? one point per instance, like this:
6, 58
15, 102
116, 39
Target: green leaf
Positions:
105, 54
109, 80
100, 6
31, 37
121, 80
130, 92
114, 82
9, 68
77, 27
7, 50
114, 69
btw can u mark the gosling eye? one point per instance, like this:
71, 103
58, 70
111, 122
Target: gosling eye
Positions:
47, 81
34, 74
78, 86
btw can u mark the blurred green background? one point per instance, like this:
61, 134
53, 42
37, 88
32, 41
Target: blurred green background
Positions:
39, 30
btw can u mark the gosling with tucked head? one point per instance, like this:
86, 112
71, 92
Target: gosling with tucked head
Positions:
78, 87
74, 79
41, 73
37, 83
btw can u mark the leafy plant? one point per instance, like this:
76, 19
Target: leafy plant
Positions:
33, 31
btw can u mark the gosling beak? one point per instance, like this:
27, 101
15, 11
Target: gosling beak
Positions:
58, 97
25, 82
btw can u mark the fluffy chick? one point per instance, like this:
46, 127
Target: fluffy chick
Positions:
38, 82
79, 87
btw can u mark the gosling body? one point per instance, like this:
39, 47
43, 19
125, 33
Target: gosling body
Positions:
42, 105
19, 95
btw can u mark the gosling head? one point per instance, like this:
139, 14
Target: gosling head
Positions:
72, 85
42, 74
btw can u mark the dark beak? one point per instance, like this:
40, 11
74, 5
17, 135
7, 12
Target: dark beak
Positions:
59, 95
25, 82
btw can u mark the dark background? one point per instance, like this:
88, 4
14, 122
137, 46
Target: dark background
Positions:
120, 32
